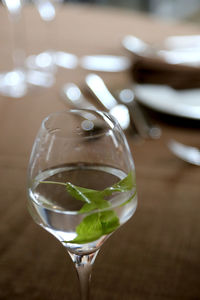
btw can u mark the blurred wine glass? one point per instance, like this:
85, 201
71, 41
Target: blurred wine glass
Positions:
13, 83
50, 59
16, 82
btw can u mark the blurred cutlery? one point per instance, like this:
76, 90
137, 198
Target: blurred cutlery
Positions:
105, 63
97, 86
187, 153
142, 124
134, 114
101, 63
73, 96
138, 46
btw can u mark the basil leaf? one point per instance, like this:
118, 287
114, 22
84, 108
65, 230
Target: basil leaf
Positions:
100, 204
76, 192
97, 224
129, 200
109, 221
124, 185
90, 229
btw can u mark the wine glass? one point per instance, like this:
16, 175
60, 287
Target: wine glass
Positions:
17, 82
13, 83
81, 183
50, 59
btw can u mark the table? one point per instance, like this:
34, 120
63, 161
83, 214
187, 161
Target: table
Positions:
156, 255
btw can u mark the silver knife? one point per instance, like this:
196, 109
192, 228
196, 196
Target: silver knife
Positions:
99, 89
72, 95
135, 114
141, 122
105, 63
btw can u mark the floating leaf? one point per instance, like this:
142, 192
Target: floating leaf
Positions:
103, 222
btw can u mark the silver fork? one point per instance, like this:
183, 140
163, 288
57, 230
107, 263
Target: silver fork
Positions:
101, 92
187, 153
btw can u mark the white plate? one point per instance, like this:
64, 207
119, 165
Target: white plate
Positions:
181, 50
162, 98
174, 50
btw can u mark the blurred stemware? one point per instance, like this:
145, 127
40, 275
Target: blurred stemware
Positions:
16, 83
13, 83
50, 59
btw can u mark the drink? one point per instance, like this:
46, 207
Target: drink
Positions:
82, 203
57, 211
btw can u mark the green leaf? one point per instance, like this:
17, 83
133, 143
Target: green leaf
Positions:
76, 192
95, 226
100, 204
90, 229
89, 195
83, 194
124, 185
129, 200
100, 223
109, 221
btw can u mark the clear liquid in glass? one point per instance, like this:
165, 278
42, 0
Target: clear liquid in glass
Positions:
55, 210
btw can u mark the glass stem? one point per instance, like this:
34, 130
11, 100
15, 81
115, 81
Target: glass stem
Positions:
18, 33
83, 264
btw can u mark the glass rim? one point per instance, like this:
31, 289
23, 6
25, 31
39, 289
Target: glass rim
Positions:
103, 114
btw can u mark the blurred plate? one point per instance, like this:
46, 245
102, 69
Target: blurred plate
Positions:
162, 98
183, 50
174, 50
